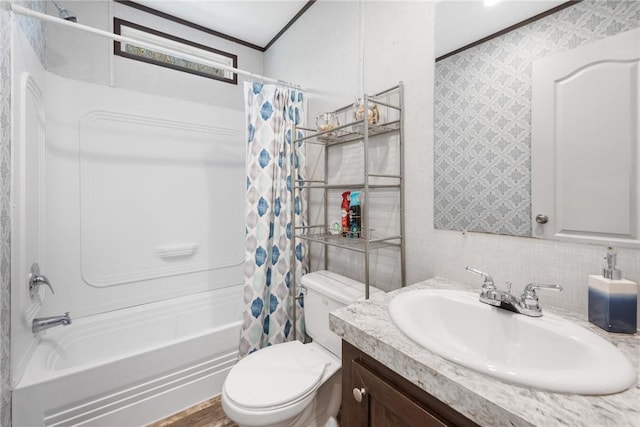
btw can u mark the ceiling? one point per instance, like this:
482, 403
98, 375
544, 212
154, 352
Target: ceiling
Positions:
458, 22
254, 21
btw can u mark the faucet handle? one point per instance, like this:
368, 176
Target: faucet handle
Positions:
529, 299
530, 289
36, 279
488, 280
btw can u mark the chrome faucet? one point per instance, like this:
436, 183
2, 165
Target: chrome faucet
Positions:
527, 304
42, 323
36, 279
489, 293
529, 299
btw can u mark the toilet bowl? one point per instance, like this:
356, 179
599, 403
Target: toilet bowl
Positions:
294, 384
277, 385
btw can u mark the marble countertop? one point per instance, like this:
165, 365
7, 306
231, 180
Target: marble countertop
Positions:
487, 401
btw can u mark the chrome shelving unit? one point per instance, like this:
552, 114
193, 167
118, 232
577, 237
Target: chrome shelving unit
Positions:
356, 132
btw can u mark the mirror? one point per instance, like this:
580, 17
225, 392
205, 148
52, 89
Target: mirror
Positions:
483, 113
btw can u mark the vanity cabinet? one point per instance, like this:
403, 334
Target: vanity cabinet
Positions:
374, 395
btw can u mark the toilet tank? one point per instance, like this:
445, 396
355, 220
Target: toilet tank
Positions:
328, 291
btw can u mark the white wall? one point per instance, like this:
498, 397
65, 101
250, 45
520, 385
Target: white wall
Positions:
320, 52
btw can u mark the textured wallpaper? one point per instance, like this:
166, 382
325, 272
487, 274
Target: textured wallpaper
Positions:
5, 248
35, 31
483, 116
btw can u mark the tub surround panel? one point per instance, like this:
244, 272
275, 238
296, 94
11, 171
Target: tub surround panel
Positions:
187, 233
487, 401
27, 199
135, 209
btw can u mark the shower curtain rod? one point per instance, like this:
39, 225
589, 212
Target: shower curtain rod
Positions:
48, 18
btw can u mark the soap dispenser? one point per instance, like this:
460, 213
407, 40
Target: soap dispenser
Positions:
613, 301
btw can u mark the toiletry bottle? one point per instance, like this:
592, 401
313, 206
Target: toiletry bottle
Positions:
344, 211
613, 301
355, 214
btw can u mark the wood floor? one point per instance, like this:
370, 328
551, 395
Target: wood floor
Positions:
206, 414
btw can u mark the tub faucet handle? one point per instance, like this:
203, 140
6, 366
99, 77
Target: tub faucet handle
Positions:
36, 279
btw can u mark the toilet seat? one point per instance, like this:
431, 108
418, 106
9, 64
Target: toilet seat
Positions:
294, 373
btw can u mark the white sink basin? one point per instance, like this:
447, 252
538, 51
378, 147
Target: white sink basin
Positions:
548, 352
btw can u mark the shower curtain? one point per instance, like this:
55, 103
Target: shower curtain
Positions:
268, 316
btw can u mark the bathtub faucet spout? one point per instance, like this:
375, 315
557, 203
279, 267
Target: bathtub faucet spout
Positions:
42, 323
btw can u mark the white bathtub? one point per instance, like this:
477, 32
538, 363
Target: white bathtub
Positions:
134, 366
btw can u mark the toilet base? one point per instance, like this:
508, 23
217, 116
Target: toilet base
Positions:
324, 408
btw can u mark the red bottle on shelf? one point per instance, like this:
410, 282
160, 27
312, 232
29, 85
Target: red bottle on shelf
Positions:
344, 211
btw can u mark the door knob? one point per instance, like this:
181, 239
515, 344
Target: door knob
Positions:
36, 279
542, 219
358, 394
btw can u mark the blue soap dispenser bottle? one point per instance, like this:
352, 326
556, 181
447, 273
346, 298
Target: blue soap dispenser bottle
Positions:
613, 301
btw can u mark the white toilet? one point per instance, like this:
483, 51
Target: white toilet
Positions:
295, 384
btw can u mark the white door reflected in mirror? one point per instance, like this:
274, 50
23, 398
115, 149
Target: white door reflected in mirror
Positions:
585, 143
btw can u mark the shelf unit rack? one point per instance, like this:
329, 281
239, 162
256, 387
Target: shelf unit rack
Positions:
355, 132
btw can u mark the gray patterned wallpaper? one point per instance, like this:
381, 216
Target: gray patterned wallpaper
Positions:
36, 33
34, 29
5, 248
483, 116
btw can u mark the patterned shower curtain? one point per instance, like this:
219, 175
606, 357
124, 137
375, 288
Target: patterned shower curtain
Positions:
268, 316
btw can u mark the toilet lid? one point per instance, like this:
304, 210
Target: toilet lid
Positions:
274, 376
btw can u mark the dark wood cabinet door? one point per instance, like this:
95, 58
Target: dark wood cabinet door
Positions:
383, 405
385, 399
